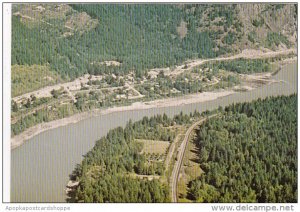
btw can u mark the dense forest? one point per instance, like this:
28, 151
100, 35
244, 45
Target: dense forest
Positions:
138, 36
106, 173
249, 154
242, 66
74, 39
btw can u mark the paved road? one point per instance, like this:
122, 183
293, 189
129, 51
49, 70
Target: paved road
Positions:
178, 163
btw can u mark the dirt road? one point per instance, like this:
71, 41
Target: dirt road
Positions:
178, 163
246, 54
76, 84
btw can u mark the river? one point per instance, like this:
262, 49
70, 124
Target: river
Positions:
40, 168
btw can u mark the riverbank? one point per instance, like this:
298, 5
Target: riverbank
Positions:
253, 79
18, 140
251, 82
52, 155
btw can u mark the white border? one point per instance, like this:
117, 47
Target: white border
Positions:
6, 48
6, 99
155, 1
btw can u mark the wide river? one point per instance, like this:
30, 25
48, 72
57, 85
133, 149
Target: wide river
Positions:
40, 167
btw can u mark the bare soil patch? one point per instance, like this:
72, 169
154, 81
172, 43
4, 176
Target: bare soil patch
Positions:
182, 29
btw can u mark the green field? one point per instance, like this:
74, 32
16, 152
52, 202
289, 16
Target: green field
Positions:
25, 78
154, 147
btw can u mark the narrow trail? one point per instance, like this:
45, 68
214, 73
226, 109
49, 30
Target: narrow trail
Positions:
178, 163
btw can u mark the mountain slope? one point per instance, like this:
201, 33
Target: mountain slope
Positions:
76, 39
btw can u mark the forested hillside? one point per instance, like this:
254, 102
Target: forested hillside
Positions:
249, 154
109, 171
72, 58
76, 39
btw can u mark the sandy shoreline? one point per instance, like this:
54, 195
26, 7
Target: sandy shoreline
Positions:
18, 140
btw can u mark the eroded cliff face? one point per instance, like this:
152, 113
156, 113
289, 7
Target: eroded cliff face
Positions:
239, 26
263, 19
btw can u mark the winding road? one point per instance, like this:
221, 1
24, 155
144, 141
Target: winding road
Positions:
178, 163
246, 54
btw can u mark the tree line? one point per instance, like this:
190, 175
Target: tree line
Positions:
249, 154
140, 37
105, 174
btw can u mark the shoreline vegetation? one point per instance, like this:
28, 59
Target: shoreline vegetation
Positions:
30, 132
248, 154
153, 103
253, 130
19, 139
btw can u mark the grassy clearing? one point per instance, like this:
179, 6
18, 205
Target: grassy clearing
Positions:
26, 78
181, 186
193, 170
190, 170
154, 146
143, 177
